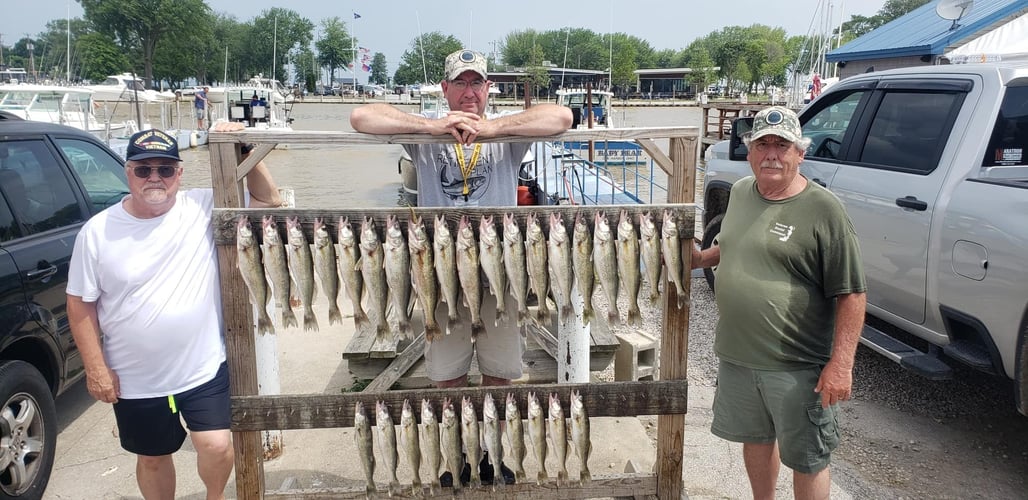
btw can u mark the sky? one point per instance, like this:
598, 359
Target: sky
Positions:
390, 27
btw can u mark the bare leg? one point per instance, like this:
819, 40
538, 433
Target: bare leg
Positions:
461, 381
816, 486
214, 460
488, 380
156, 477
762, 464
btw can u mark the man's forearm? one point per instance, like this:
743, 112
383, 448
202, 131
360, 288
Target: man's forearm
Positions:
849, 322
85, 329
539, 120
379, 118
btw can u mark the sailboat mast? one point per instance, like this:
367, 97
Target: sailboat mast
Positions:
274, 51
67, 77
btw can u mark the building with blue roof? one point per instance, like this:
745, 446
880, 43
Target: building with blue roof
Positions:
989, 30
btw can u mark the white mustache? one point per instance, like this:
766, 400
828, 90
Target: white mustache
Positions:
772, 164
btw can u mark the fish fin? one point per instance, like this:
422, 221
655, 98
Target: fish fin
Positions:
585, 476
477, 328
264, 324
613, 316
542, 477
522, 316
310, 322
405, 330
587, 315
681, 300
634, 316
334, 316
431, 332
360, 319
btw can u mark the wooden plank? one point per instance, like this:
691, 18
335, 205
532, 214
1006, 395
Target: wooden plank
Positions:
352, 138
662, 160
414, 351
674, 340
319, 411
225, 218
239, 341
635, 484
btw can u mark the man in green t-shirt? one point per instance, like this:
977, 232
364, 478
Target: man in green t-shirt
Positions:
791, 296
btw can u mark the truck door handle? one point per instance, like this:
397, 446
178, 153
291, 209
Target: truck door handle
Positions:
41, 274
913, 203
819, 182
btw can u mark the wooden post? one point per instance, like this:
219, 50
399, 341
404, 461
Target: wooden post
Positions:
236, 311
674, 345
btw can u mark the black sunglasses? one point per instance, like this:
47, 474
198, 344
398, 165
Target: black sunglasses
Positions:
165, 171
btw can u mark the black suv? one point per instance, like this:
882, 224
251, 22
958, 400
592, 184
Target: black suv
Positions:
52, 179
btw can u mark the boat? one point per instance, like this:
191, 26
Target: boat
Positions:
71, 106
126, 87
234, 103
594, 109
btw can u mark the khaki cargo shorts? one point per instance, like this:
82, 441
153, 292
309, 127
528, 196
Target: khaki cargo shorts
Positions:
499, 350
761, 406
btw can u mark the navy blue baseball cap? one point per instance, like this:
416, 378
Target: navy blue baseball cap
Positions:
152, 143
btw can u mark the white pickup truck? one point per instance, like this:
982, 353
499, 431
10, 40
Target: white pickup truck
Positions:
931, 164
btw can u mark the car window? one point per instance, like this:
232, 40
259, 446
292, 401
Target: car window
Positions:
909, 130
1009, 138
9, 229
102, 175
827, 127
36, 189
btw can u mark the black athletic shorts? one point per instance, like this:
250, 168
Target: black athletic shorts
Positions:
153, 426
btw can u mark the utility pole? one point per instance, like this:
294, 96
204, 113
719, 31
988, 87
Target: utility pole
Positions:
32, 61
1, 50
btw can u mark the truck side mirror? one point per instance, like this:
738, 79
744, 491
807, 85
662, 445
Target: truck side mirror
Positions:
737, 149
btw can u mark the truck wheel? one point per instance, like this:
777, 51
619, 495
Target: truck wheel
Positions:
28, 431
710, 240
1021, 374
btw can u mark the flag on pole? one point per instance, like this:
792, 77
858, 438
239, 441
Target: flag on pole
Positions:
363, 49
356, 15
365, 67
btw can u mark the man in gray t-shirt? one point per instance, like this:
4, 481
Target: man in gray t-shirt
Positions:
466, 173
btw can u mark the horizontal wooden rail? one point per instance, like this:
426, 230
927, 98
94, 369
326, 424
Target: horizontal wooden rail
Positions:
638, 485
320, 411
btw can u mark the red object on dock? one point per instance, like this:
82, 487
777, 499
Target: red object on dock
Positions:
525, 196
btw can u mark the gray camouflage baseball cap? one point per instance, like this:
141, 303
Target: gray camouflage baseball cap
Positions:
465, 60
779, 121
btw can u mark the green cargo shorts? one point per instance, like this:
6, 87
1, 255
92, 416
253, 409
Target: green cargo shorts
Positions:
761, 406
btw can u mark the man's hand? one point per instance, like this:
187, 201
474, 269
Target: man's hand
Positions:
835, 384
103, 385
461, 125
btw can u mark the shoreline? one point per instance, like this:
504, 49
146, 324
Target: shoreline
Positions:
618, 103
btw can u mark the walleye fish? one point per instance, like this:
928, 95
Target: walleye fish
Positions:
349, 256
397, 271
605, 263
301, 268
472, 440
449, 429
468, 272
276, 269
365, 448
325, 267
493, 438
628, 265
411, 445
582, 262
253, 273
650, 249
490, 252
516, 437
535, 257
559, 258
514, 264
559, 438
537, 433
430, 444
423, 274
373, 274
580, 434
446, 270
387, 444
671, 247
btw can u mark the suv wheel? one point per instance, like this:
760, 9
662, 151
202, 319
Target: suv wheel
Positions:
710, 240
28, 431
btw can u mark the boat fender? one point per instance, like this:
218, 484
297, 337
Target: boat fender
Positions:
193, 139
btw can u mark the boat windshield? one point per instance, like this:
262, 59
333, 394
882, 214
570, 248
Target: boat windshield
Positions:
577, 100
16, 100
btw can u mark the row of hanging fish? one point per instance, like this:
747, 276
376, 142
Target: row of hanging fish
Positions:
447, 436
390, 272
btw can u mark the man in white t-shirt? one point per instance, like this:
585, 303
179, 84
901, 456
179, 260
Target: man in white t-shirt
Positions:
145, 273
465, 174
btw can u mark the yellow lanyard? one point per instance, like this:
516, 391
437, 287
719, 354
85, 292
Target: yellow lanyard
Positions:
465, 167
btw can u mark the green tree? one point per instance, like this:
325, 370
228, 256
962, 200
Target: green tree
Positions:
702, 72
424, 61
100, 57
273, 34
536, 76
139, 25
379, 73
859, 26
335, 48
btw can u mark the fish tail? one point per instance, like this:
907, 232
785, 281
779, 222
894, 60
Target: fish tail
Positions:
360, 319
334, 316
288, 318
405, 330
522, 316
544, 312
613, 316
431, 332
634, 316
681, 297
310, 321
501, 315
585, 476
542, 477
587, 314
654, 294
264, 324
477, 328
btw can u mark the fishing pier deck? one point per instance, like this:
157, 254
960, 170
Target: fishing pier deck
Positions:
253, 413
